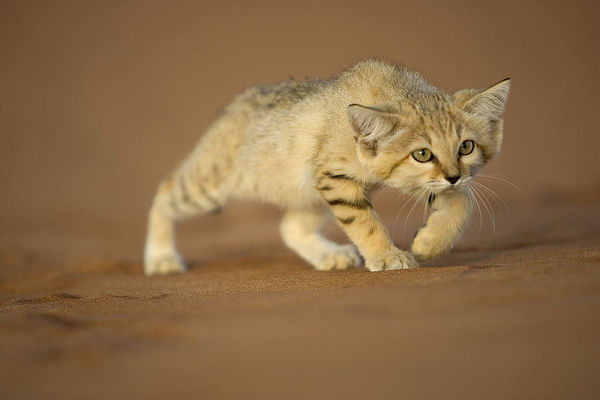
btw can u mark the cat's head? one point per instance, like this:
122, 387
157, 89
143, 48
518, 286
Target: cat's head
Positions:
435, 143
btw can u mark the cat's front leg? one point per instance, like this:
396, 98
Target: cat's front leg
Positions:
450, 213
349, 205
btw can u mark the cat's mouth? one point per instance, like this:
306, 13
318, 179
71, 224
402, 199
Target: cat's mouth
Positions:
436, 188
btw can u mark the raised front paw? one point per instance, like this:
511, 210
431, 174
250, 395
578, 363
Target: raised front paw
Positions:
164, 264
428, 244
392, 259
340, 257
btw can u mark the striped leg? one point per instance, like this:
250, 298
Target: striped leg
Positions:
352, 209
299, 229
178, 197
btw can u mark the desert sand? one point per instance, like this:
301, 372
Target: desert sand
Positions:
99, 101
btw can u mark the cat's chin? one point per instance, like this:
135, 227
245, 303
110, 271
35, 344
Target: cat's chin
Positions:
451, 191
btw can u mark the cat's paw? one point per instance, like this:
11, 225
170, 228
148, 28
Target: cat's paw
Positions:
428, 244
392, 259
164, 264
341, 257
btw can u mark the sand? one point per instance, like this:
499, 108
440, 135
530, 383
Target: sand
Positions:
99, 101
510, 315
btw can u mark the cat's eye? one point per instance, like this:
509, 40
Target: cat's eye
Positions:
422, 155
466, 147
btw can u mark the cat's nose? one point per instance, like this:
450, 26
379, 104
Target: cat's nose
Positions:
452, 179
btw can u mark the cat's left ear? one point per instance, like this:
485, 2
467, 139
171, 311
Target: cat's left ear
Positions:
371, 124
489, 103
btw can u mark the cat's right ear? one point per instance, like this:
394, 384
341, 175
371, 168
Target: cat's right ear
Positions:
370, 124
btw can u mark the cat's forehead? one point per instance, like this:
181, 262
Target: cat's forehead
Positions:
441, 125
431, 102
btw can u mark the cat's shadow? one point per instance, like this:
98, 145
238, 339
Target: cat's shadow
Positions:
503, 250
493, 254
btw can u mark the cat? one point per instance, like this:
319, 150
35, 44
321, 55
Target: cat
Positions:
317, 148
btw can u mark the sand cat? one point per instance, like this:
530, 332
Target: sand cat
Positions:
318, 148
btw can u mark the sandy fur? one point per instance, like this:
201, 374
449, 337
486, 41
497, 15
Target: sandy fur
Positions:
318, 148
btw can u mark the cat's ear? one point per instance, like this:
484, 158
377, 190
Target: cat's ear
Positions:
488, 103
371, 123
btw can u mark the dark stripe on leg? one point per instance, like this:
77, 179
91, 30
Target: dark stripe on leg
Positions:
208, 197
347, 221
341, 177
186, 198
360, 204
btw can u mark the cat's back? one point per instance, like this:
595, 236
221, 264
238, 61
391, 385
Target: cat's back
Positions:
268, 98
374, 81
368, 82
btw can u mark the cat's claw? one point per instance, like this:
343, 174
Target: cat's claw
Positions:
391, 260
343, 257
165, 264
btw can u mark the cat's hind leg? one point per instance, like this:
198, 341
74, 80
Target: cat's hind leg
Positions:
299, 229
180, 196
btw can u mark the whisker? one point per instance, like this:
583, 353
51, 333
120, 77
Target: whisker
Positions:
491, 210
495, 195
487, 206
499, 178
399, 211
470, 191
426, 206
421, 193
411, 197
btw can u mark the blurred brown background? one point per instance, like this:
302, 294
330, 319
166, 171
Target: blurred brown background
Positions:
100, 100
